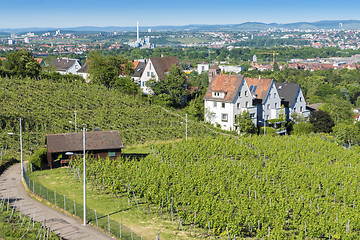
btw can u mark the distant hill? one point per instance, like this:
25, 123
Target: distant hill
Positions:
248, 26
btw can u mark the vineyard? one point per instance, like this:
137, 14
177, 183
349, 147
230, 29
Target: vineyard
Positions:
47, 106
251, 187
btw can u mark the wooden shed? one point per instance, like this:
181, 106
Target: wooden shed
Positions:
98, 143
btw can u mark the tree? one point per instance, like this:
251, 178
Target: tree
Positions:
21, 63
348, 133
173, 89
245, 123
302, 128
275, 66
322, 121
107, 70
340, 110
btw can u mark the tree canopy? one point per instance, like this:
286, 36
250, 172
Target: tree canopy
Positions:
321, 121
172, 90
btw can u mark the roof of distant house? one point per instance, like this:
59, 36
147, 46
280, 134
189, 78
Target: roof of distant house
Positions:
139, 69
84, 68
263, 86
163, 64
314, 107
97, 140
214, 67
63, 64
288, 91
39, 60
229, 84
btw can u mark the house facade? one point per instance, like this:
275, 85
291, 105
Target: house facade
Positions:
156, 68
66, 65
293, 99
229, 95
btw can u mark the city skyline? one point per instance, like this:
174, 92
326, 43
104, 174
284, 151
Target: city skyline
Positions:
41, 13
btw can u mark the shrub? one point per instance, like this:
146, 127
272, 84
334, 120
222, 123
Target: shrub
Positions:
38, 159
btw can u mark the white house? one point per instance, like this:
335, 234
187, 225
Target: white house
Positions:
66, 65
156, 68
228, 95
202, 67
231, 68
83, 71
292, 98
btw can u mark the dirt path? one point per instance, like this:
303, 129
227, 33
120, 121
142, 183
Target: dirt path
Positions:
69, 228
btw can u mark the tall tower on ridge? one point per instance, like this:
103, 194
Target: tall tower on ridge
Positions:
137, 32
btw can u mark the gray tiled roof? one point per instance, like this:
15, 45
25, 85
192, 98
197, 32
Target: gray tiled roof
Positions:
288, 91
63, 64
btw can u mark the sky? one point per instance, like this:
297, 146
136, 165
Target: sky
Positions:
75, 13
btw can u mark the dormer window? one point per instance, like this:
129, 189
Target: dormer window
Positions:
218, 94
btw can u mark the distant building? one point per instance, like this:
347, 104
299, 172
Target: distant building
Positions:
231, 69
202, 67
156, 68
83, 71
66, 65
139, 67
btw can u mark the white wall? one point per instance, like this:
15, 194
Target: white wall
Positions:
299, 105
149, 72
202, 67
272, 104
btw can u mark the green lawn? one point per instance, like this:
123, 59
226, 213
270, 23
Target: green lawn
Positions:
145, 223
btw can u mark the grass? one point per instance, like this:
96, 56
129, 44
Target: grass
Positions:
145, 223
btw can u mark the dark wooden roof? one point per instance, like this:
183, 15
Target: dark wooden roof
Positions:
163, 64
72, 142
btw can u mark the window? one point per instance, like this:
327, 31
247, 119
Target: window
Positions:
150, 66
240, 94
246, 104
252, 115
223, 105
143, 83
274, 94
268, 106
215, 104
245, 93
300, 99
275, 105
112, 154
294, 109
267, 117
269, 96
148, 74
213, 115
152, 74
238, 106
300, 109
224, 117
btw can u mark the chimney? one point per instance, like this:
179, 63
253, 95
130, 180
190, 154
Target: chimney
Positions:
67, 59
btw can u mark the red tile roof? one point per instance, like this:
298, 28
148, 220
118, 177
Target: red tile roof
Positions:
263, 86
227, 83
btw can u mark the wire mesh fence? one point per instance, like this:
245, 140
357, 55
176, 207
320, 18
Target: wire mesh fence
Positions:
97, 219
